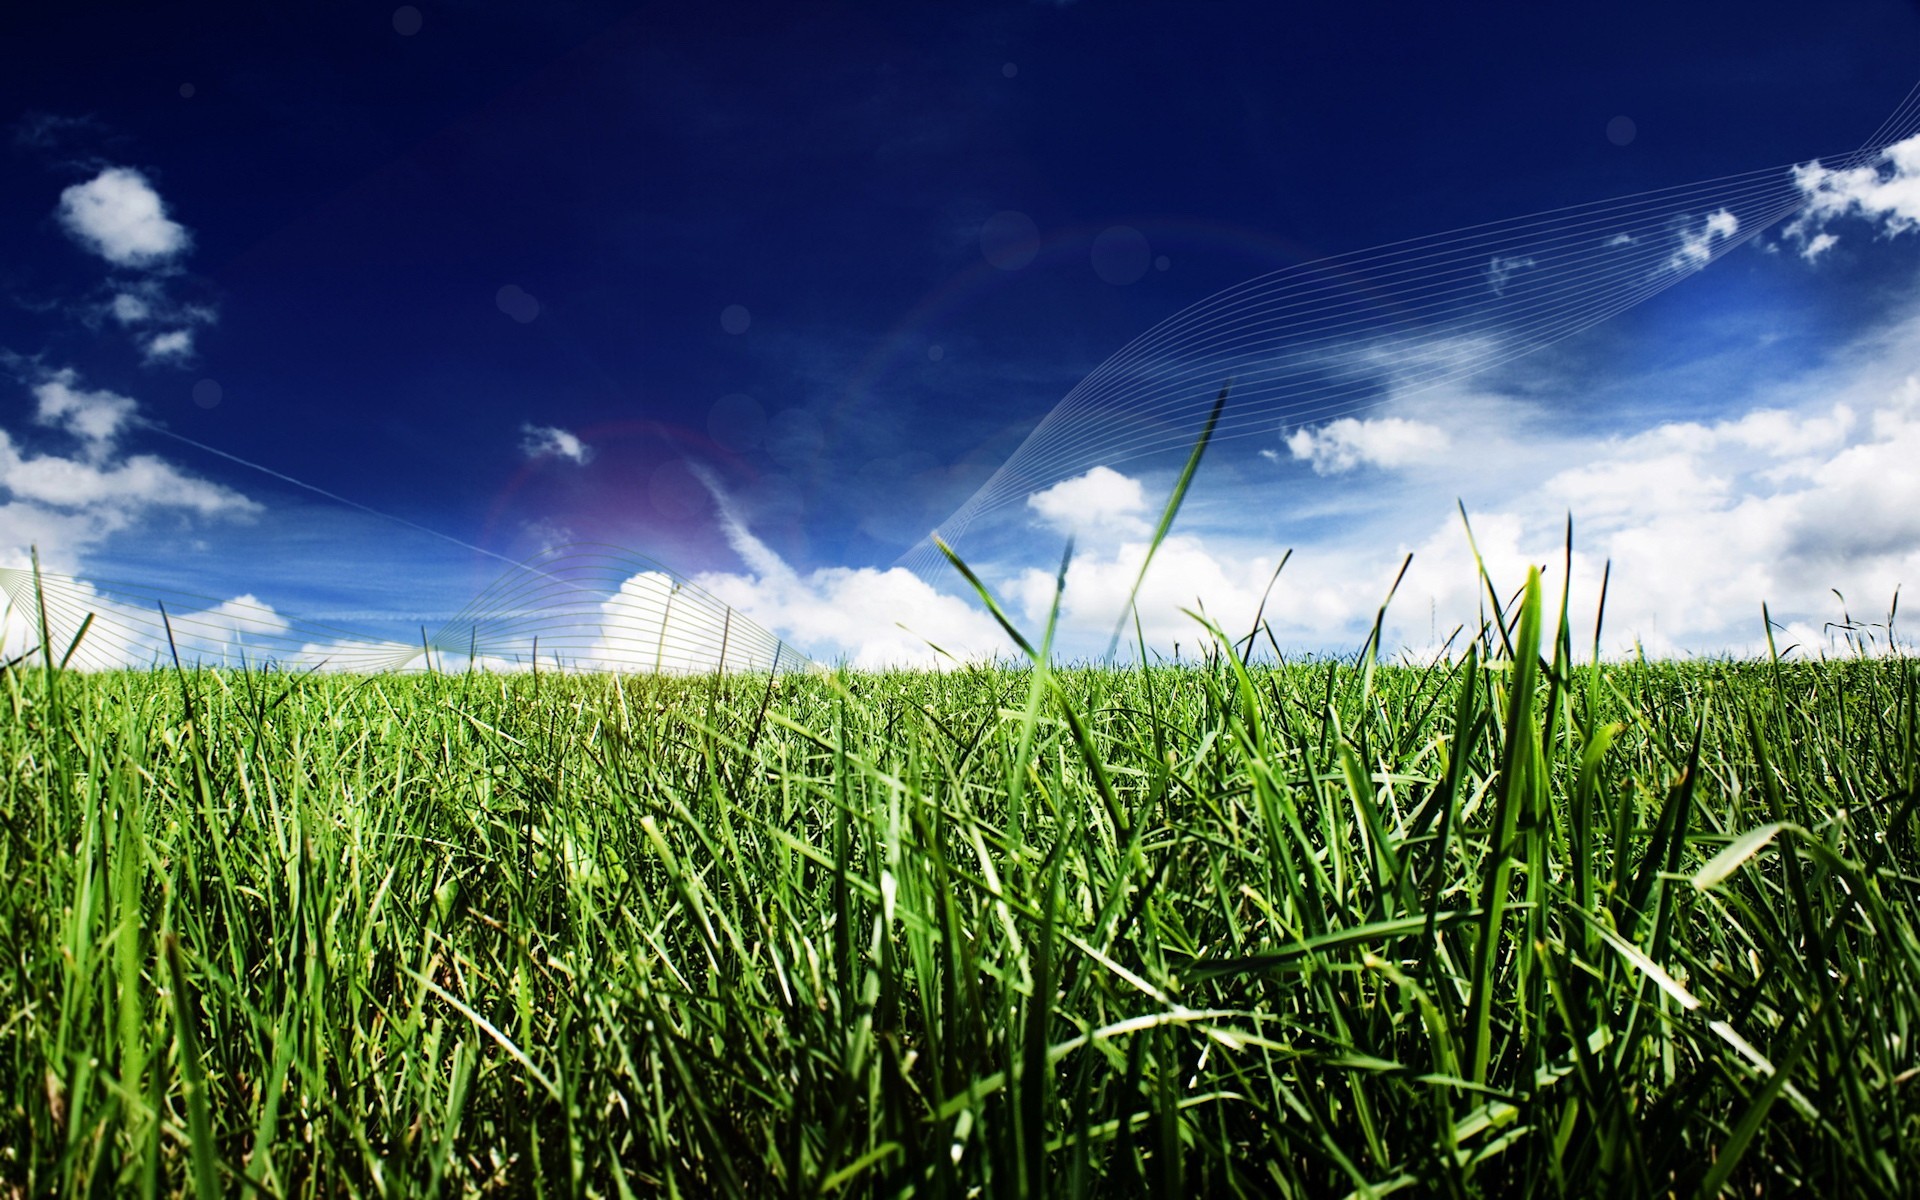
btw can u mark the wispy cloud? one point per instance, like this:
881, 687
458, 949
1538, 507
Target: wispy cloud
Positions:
44, 130
1503, 267
175, 345
550, 441
130, 309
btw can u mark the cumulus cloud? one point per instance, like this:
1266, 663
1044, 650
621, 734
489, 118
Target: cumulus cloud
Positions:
126, 630
96, 418
1884, 192
869, 618
119, 216
1189, 574
67, 503
1387, 442
116, 491
1100, 501
1697, 242
123, 633
549, 441
1807, 486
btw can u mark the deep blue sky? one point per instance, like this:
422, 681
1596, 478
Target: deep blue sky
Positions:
359, 196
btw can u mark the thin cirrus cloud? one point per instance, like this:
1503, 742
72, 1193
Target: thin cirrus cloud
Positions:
551, 441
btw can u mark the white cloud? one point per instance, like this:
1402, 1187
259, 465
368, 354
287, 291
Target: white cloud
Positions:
1697, 242
96, 418
130, 309
68, 504
1807, 486
1100, 501
1884, 192
1188, 572
121, 489
176, 345
127, 631
162, 328
538, 441
119, 216
870, 618
1388, 442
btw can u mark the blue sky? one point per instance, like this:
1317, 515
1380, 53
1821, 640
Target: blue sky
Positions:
525, 274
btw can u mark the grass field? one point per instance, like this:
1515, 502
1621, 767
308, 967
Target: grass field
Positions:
1500, 925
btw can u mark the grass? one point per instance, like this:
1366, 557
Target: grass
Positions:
1503, 925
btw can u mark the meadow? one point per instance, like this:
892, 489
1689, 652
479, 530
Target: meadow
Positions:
1511, 922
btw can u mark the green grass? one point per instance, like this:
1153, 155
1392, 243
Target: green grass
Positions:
1500, 926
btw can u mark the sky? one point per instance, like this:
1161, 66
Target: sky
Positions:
340, 308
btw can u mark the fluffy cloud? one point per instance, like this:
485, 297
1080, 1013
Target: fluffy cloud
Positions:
1807, 490
868, 618
96, 418
1100, 501
1697, 241
1389, 442
126, 630
68, 503
119, 216
1885, 192
115, 491
1188, 573
548, 441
